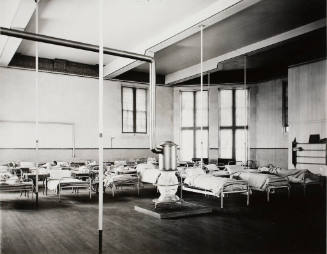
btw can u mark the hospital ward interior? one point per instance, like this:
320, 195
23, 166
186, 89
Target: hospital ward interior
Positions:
162, 126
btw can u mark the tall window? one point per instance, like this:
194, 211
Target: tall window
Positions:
233, 124
191, 146
134, 110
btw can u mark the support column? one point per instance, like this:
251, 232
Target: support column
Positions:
100, 123
37, 105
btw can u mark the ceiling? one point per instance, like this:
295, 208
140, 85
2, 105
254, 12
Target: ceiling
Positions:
137, 25
126, 24
258, 22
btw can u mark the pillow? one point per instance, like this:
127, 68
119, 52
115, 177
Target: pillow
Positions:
58, 173
194, 171
63, 164
27, 164
232, 169
4, 168
212, 167
144, 166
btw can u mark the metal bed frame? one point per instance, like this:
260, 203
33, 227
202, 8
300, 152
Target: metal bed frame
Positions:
304, 183
222, 194
16, 188
270, 188
74, 186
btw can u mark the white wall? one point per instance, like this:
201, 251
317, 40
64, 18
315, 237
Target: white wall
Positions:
307, 106
268, 141
73, 99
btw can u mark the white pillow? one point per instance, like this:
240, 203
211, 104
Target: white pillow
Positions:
144, 166
27, 164
58, 173
212, 167
194, 171
232, 169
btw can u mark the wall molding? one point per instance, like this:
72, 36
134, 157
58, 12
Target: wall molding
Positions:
268, 148
70, 148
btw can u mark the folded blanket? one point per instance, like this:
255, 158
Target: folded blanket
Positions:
293, 175
214, 184
111, 179
261, 181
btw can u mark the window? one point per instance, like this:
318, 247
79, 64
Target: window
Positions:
285, 105
233, 124
134, 110
191, 119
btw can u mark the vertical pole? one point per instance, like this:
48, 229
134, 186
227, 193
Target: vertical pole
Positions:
246, 110
201, 99
152, 104
36, 105
100, 123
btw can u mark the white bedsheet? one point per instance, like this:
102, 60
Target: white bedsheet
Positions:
214, 184
150, 175
261, 181
53, 183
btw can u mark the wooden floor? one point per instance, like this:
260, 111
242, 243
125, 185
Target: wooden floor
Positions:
297, 225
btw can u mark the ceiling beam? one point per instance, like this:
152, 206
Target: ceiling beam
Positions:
211, 64
20, 20
213, 14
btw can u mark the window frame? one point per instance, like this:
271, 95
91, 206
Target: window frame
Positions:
232, 127
134, 110
194, 127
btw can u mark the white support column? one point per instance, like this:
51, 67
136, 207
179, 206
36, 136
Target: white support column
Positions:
100, 123
152, 134
246, 110
37, 105
201, 99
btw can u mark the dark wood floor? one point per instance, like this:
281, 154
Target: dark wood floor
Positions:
297, 225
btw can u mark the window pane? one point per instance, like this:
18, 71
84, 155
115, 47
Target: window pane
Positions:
127, 109
127, 121
141, 110
127, 98
226, 144
226, 103
141, 121
198, 144
198, 108
241, 106
140, 100
186, 151
187, 109
241, 145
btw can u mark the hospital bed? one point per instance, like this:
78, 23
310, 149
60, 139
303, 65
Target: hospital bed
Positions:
302, 177
197, 181
60, 180
259, 181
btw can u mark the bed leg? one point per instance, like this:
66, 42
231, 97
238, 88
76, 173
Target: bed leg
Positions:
304, 190
268, 197
288, 192
222, 200
46, 187
90, 190
247, 198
